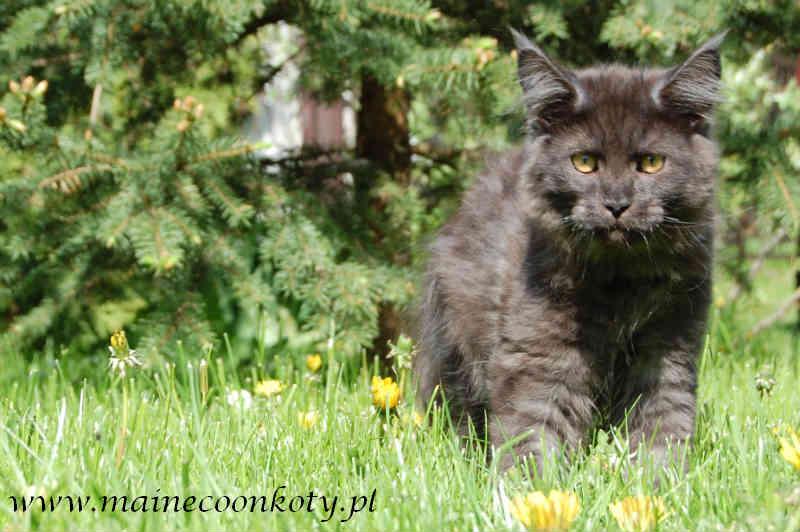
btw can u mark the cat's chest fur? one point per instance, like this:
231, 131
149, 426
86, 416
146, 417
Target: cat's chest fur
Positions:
601, 312
612, 312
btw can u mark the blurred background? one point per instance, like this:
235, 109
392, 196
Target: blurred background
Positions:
272, 169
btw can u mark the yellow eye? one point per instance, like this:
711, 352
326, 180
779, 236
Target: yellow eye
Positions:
650, 163
584, 162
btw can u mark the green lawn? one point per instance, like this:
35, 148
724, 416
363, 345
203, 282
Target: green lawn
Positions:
62, 435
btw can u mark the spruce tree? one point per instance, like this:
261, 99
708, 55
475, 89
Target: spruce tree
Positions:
128, 199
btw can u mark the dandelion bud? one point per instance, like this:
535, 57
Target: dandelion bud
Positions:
2, 114
87, 135
13, 86
400, 82
27, 84
182, 126
40, 89
177, 103
198, 111
764, 384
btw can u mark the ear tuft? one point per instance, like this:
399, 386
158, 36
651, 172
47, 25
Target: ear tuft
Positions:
550, 92
693, 88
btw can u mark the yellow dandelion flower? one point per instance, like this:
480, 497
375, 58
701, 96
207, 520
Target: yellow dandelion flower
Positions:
554, 511
313, 363
385, 392
119, 341
268, 388
790, 448
308, 419
639, 513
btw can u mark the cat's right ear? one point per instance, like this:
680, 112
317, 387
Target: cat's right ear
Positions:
550, 92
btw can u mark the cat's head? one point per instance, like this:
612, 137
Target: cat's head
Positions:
621, 153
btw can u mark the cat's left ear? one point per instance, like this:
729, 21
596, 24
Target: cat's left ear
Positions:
692, 89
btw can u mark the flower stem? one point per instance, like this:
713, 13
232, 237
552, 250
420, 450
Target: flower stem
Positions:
123, 428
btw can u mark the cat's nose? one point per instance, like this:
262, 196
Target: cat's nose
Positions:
617, 207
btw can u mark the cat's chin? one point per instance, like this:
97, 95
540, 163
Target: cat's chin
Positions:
616, 237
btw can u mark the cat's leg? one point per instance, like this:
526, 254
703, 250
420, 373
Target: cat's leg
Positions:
435, 351
541, 394
660, 389
443, 376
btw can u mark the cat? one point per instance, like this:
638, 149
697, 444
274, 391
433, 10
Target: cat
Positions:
571, 288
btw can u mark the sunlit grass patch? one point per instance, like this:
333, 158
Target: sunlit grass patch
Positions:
197, 426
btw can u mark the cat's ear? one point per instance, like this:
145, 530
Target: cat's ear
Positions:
550, 92
692, 89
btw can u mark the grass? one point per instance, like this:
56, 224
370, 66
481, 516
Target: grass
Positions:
156, 433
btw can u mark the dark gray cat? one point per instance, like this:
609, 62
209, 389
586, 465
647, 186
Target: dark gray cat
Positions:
571, 288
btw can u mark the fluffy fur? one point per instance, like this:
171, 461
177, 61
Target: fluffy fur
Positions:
547, 315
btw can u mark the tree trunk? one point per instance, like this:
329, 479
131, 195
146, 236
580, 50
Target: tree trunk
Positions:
383, 138
382, 126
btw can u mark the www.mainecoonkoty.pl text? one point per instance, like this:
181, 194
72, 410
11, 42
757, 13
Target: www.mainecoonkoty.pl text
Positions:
278, 501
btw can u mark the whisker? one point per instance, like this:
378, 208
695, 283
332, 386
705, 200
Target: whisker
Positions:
671, 220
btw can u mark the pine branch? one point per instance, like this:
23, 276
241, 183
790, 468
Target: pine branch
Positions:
42, 62
280, 10
277, 69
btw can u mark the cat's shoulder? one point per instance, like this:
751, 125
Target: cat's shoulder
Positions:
500, 178
490, 212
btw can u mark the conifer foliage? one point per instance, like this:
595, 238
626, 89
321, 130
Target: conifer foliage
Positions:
128, 198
